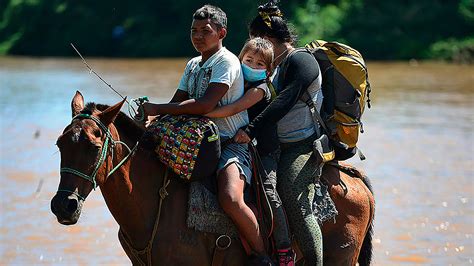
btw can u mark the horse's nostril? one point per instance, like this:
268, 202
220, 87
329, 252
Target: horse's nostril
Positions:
72, 205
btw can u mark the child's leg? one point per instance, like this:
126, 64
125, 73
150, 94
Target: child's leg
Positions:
231, 198
281, 231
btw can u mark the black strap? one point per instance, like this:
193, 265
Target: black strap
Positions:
306, 97
317, 119
284, 64
263, 203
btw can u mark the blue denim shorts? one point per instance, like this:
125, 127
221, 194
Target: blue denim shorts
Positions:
238, 154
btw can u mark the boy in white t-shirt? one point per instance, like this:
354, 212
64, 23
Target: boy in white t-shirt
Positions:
212, 79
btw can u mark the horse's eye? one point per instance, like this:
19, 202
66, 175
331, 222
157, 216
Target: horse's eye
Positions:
97, 133
94, 146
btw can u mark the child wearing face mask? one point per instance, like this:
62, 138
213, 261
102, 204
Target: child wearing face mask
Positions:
257, 58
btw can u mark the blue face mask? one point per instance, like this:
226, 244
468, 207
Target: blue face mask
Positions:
253, 75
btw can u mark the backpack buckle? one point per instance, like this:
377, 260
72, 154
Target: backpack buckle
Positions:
324, 152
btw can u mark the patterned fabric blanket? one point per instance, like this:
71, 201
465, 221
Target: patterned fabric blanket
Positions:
205, 214
323, 206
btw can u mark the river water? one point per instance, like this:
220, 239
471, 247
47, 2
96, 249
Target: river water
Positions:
418, 140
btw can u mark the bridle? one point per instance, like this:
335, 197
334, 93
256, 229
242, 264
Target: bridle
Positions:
163, 193
109, 142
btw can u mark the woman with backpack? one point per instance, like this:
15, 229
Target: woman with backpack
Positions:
296, 72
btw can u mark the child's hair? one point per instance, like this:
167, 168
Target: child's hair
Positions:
259, 46
215, 14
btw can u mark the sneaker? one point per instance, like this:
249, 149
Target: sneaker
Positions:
286, 257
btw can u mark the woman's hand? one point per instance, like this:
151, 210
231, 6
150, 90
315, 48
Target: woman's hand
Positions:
241, 137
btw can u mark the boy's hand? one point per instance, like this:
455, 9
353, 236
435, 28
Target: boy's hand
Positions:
147, 108
241, 137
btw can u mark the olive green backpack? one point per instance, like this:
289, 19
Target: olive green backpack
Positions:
346, 89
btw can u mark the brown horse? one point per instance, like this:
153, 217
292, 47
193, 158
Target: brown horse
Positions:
151, 208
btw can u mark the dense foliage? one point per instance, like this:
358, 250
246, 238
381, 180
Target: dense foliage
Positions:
392, 29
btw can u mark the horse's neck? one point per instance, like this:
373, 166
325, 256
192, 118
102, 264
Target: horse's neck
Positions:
131, 193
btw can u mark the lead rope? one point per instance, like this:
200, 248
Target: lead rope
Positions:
147, 250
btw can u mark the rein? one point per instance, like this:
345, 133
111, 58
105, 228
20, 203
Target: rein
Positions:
103, 155
92, 178
147, 250
163, 193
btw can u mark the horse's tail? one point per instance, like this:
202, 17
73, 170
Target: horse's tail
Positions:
365, 255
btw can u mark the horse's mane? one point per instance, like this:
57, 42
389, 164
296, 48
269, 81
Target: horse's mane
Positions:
127, 124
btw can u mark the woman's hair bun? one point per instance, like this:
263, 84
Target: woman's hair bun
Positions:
269, 7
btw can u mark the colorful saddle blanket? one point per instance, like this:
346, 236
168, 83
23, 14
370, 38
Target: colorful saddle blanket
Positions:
189, 145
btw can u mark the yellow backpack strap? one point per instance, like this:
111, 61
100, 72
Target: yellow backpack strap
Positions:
272, 90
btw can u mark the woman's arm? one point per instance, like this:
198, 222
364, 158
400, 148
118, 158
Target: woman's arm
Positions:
251, 97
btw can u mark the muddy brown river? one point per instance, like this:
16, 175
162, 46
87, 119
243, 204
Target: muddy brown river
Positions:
418, 140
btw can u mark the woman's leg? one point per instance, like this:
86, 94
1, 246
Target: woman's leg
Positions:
296, 188
231, 198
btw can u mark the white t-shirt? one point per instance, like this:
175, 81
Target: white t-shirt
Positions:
267, 95
221, 67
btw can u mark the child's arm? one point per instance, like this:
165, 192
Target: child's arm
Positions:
200, 106
251, 97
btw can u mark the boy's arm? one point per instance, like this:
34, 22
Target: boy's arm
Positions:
179, 96
201, 106
250, 98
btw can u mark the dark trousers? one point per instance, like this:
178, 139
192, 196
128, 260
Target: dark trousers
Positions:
281, 232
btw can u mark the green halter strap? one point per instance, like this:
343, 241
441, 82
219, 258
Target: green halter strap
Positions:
103, 155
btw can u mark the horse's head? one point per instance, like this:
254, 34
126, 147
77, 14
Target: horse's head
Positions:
84, 146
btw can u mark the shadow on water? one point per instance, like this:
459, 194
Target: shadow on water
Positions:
418, 141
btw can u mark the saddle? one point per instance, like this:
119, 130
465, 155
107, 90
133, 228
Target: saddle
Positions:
205, 214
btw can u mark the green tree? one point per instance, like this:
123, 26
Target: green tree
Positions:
389, 29
386, 30
111, 28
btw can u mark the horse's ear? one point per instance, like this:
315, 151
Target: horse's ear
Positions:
108, 116
77, 104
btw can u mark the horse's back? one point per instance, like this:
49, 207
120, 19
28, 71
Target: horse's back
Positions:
343, 237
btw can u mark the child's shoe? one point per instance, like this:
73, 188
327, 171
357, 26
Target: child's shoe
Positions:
286, 257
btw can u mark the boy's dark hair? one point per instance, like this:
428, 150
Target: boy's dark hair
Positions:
215, 14
270, 23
